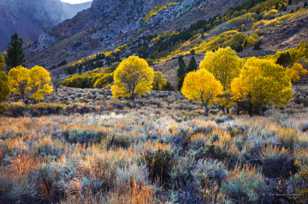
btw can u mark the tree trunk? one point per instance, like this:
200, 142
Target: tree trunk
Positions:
206, 109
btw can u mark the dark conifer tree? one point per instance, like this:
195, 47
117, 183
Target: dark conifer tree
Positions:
15, 54
181, 71
192, 66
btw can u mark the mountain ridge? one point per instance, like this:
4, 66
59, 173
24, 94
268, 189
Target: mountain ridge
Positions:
32, 18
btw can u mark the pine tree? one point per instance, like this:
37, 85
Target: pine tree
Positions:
284, 59
192, 66
15, 55
181, 71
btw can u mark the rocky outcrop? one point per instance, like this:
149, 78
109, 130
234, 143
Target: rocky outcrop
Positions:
32, 18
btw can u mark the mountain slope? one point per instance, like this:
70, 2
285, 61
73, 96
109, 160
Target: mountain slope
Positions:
31, 18
257, 28
110, 23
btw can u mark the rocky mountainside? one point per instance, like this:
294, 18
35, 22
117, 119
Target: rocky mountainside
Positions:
110, 23
32, 18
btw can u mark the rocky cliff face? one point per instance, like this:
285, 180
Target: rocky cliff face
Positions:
31, 18
110, 23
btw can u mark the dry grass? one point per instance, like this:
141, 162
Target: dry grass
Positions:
98, 173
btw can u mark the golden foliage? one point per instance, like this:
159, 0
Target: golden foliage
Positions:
152, 13
41, 83
160, 82
32, 83
201, 86
224, 64
262, 82
132, 77
22, 165
19, 81
296, 72
4, 88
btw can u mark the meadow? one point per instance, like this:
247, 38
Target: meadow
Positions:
147, 156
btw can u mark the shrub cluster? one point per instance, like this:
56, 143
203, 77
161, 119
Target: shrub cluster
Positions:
98, 78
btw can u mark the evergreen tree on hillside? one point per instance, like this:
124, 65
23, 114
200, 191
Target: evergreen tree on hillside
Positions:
181, 71
15, 54
192, 66
284, 59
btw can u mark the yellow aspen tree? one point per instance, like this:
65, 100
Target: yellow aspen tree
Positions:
224, 64
262, 83
19, 82
201, 86
40, 82
133, 77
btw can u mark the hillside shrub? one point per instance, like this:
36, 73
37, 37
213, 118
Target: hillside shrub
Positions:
104, 81
100, 77
233, 38
160, 82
